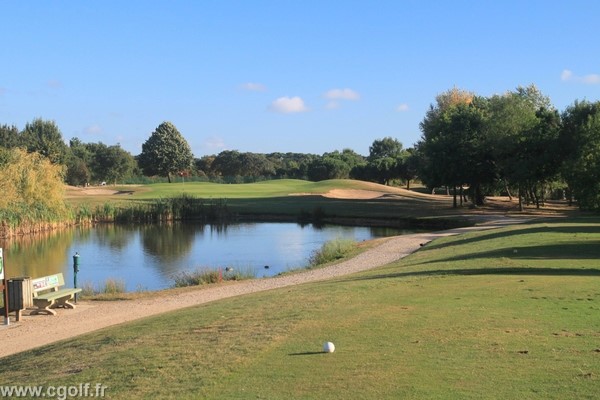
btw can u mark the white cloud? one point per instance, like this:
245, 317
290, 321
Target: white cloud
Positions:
402, 107
566, 75
214, 143
341, 94
288, 105
254, 87
591, 79
93, 129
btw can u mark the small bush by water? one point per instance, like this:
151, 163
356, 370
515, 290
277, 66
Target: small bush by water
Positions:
205, 276
331, 251
110, 286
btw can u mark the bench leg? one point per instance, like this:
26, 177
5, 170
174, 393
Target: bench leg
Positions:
43, 310
64, 303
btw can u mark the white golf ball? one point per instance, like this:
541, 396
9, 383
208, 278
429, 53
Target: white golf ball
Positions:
328, 347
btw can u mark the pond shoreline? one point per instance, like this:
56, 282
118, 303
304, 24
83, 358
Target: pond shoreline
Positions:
37, 330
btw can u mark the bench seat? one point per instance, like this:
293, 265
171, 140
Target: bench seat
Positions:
47, 295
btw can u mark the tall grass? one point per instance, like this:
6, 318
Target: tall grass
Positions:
206, 276
111, 286
177, 208
331, 251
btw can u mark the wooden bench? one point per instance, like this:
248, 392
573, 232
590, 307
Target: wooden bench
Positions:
47, 295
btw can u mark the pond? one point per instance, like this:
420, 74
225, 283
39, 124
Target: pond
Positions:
148, 257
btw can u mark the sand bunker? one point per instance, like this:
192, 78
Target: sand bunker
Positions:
353, 194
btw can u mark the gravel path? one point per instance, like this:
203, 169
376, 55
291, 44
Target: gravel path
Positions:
38, 330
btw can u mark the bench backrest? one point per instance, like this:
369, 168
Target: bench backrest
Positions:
45, 283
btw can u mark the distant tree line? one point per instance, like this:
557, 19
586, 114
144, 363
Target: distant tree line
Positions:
516, 144
167, 154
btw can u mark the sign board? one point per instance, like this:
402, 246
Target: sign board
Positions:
1, 264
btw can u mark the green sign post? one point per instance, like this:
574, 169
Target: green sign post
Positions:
4, 288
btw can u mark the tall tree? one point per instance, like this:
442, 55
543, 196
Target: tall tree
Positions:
111, 163
45, 138
385, 160
452, 145
78, 163
522, 129
580, 140
166, 152
9, 136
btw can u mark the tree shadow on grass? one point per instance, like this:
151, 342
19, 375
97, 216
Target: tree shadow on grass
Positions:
525, 230
565, 251
486, 271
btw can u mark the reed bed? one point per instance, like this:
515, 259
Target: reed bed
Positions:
178, 208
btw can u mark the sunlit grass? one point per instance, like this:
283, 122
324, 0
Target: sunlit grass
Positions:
465, 317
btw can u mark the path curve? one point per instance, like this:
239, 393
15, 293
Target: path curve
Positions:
39, 330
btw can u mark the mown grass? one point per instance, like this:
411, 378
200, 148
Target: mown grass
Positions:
289, 199
466, 317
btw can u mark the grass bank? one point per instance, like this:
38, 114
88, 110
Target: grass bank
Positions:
334, 201
507, 313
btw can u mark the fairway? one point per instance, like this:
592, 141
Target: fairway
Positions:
464, 317
342, 201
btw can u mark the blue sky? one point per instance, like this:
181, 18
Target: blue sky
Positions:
290, 76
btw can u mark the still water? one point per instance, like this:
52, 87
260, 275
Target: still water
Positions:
148, 257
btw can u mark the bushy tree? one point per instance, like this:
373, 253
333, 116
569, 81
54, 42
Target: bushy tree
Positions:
111, 163
9, 136
166, 152
32, 186
580, 140
384, 163
45, 138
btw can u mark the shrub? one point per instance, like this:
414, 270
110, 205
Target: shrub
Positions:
113, 286
331, 251
205, 276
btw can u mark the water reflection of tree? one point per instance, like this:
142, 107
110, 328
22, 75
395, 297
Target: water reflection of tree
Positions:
114, 236
169, 241
38, 254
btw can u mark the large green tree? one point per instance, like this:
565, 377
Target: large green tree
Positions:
452, 146
45, 138
580, 140
9, 136
166, 152
385, 160
522, 131
111, 163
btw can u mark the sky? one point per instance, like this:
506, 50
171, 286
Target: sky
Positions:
268, 76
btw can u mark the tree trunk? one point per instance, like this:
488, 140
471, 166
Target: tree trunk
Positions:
507, 190
520, 199
169, 177
454, 205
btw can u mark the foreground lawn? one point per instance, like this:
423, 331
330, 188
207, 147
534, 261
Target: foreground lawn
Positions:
503, 314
